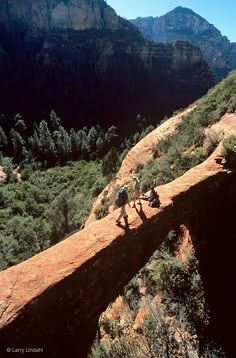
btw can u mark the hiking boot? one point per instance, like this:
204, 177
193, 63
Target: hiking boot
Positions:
118, 222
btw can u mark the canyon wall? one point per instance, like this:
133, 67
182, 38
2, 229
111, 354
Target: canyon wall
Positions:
91, 66
184, 24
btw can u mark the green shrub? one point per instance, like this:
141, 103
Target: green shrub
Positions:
139, 167
98, 187
189, 146
103, 209
26, 173
229, 150
45, 207
172, 327
132, 294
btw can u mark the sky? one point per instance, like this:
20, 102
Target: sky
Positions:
220, 13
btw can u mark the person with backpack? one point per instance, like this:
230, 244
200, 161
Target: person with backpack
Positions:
153, 198
136, 191
121, 201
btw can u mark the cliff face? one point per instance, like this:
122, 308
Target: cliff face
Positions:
54, 299
145, 25
183, 24
46, 15
79, 58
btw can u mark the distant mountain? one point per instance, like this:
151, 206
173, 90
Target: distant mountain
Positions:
91, 66
145, 25
184, 24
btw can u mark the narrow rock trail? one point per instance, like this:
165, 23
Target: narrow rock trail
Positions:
141, 153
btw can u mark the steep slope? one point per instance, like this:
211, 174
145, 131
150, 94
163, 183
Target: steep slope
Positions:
50, 14
141, 153
181, 142
49, 299
184, 24
82, 60
145, 25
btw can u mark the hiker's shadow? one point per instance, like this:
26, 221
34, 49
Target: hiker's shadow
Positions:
125, 226
141, 213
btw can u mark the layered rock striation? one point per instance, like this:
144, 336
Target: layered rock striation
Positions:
46, 15
184, 24
82, 60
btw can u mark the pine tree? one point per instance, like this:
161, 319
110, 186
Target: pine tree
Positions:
35, 145
8, 170
74, 144
17, 117
21, 126
55, 121
110, 162
100, 147
92, 139
66, 144
3, 140
59, 146
84, 150
18, 144
112, 133
62, 214
82, 143
46, 143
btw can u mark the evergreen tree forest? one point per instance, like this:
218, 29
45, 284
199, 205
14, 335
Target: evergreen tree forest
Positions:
48, 143
50, 178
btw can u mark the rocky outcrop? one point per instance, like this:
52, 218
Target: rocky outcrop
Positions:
54, 299
184, 24
141, 153
3, 174
58, 14
91, 66
145, 25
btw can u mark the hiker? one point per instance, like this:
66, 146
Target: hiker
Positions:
121, 201
153, 198
136, 191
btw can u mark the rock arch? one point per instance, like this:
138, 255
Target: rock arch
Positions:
54, 299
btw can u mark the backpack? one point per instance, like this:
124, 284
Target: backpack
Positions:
121, 197
153, 196
155, 203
